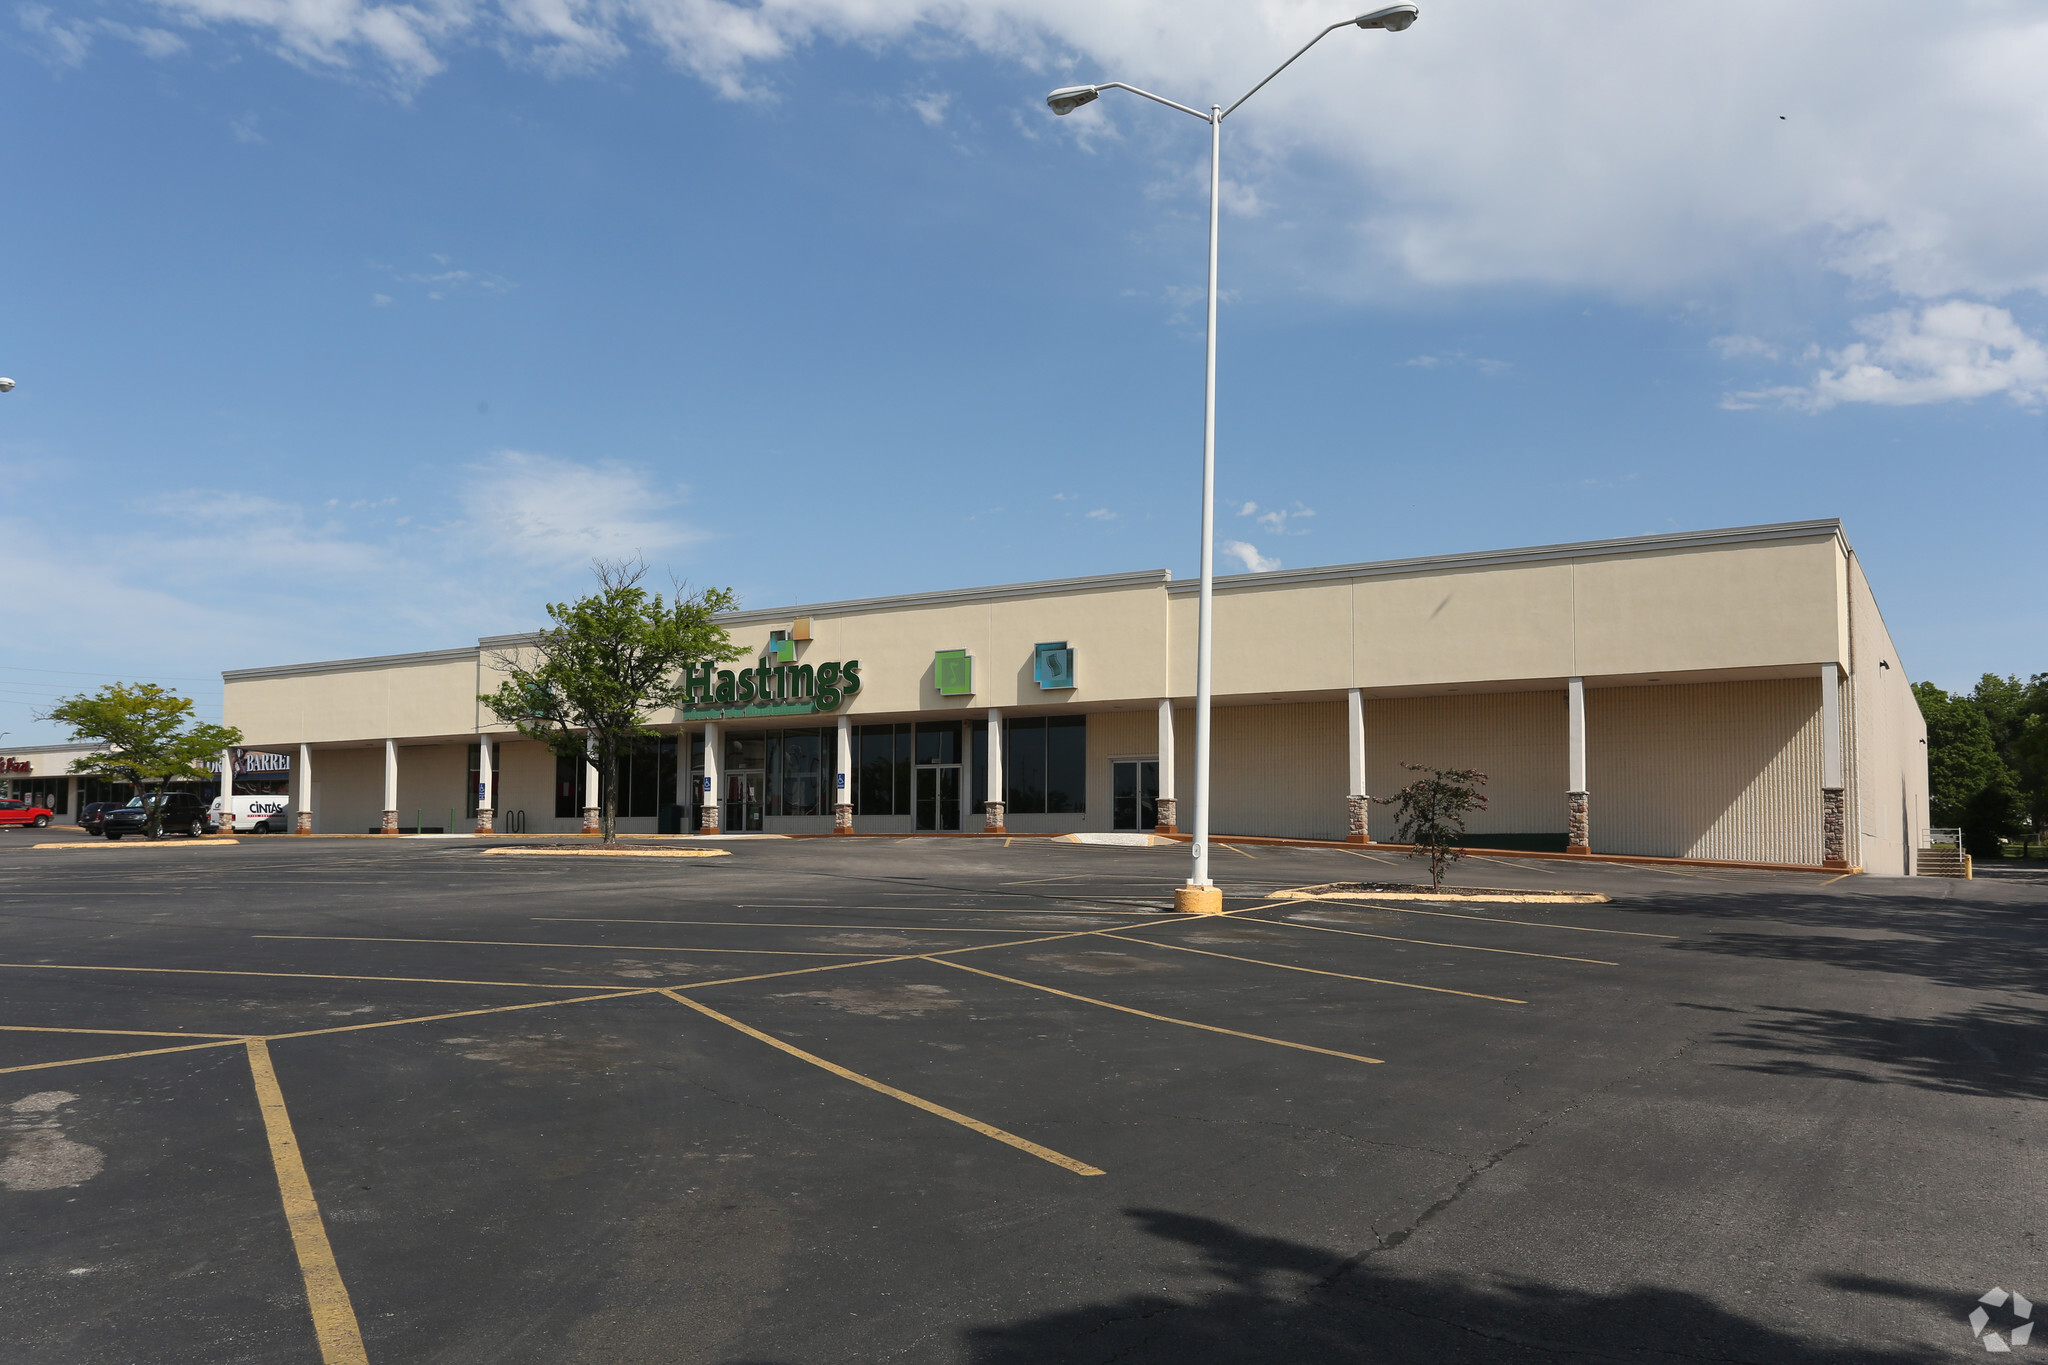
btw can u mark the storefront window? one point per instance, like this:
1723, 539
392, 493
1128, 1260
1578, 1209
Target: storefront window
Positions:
1045, 765
568, 787
882, 769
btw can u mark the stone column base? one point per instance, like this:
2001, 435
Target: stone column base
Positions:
1360, 813
590, 821
1198, 900
992, 818
486, 820
707, 820
304, 823
1578, 823
1834, 810
842, 819
390, 822
1168, 816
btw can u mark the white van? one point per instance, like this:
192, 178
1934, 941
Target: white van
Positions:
257, 815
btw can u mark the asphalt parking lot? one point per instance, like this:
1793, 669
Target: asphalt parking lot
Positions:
967, 1101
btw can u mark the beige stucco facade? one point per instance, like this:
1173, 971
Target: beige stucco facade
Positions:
1702, 658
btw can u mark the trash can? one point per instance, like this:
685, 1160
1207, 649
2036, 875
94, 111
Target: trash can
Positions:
669, 821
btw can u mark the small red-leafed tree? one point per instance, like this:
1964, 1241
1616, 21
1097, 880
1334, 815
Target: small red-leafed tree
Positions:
1429, 814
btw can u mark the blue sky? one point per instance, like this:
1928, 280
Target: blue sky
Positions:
345, 328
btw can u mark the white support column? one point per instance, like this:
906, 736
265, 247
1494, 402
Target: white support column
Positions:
486, 788
1834, 780
1169, 808
1356, 799
842, 779
303, 823
226, 822
707, 809
75, 789
1578, 804
992, 822
966, 776
390, 823
590, 793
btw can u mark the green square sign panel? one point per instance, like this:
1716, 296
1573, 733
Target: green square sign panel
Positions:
954, 671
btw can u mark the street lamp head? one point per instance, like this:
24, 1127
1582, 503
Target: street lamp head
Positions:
6, 386
1393, 18
1068, 98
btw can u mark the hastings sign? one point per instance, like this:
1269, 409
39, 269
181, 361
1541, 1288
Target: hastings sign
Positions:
768, 689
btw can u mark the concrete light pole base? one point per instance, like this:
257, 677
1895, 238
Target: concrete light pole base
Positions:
1198, 900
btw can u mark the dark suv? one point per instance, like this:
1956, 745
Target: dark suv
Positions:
93, 815
183, 813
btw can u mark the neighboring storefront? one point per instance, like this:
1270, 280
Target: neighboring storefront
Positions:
1721, 694
43, 773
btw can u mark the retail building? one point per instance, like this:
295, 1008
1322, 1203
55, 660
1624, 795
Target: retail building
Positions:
1723, 694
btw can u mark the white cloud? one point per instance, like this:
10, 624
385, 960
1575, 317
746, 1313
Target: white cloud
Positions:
1249, 556
1743, 348
1629, 149
551, 511
1277, 519
931, 108
1102, 514
1942, 353
68, 44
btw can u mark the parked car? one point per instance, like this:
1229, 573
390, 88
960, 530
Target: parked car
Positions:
183, 813
92, 816
14, 811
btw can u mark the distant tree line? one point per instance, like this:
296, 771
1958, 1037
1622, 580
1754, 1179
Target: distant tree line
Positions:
1987, 759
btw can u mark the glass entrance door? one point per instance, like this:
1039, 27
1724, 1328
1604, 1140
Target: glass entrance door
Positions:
1134, 793
743, 802
938, 798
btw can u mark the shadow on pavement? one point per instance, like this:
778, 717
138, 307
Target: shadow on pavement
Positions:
1988, 1050
1278, 1302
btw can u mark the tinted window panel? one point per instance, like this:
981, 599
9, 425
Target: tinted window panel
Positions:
1024, 766
1066, 765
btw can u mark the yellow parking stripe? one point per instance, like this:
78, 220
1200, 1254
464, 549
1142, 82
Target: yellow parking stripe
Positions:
1314, 971
334, 1317
950, 1115
1162, 1018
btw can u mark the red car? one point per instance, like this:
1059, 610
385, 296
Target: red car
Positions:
14, 812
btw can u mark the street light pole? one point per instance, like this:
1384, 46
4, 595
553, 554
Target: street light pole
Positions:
1200, 895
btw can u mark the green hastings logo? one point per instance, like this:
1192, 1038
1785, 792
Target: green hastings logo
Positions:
768, 689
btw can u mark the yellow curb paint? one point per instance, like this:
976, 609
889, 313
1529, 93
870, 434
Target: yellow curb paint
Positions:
1162, 1018
208, 842
1314, 971
950, 1115
608, 852
334, 1317
1432, 943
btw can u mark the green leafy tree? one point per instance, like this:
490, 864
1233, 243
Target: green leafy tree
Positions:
1429, 814
1961, 755
146, 737
585, 686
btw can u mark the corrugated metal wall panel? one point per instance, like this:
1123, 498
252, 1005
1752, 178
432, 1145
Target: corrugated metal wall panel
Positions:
1516, 738
1711, 770
1279, 770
